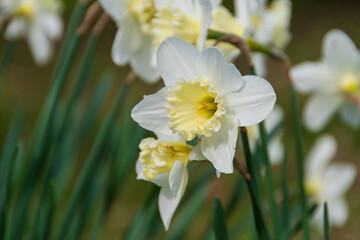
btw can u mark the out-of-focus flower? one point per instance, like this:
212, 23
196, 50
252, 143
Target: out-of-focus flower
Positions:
266, 23
186, 19
38, 21
332, 82
225, 22
328, 182
133, 41
164, 162
206, 97
275, 145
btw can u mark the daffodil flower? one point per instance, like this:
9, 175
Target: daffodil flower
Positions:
332, 82
275, 145
38, 21
267, 23
164, 162
133, 41
205, 97
186, 19
328, 182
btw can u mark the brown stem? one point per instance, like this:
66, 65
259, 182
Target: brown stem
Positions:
130, 78
101, 24
241, 168
241, 44
90, 16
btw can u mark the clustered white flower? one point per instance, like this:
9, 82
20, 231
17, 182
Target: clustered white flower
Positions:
38, 21
207, 99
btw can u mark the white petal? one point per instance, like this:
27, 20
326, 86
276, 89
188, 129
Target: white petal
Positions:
243, 14
260, 64
196, 154
253, 103
219, 148
52, 24
320, 155
16, 28
319, 109
274, 118
127, 40
310, 77
339, 51
338, 179
350, 114
218, 174
176, 59
276, 150
161, 180
338, 214
168, 202
205, 10
176, 176
114, 8
140, 62
40, 45
169, 137
213, 64
151, 113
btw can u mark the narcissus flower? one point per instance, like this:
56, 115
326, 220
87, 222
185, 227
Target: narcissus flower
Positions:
186, 19
205, 97
267, 23
328, 182
164, 162
333, 82
133, 41
38, 21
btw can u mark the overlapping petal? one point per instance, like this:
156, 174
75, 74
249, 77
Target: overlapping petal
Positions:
254, 102
175, 60
319, 110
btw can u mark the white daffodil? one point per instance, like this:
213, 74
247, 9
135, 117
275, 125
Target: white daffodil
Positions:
133, 41
38, 21
275, 145
332, 82
328, 182
186, 19
225, 22
206, 97
267, 23
164, 162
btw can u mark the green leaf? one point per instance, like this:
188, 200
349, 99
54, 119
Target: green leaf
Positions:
326, 222
300, 161
285, 202
220, 229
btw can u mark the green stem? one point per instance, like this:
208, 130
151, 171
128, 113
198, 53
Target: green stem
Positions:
7, 57
91, 163
326, 222
300, 161
260, 223
269, 181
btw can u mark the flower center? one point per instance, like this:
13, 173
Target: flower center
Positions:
171, 21
159, 157
313, 186
194, 108
349, 84
144, 11
26, 9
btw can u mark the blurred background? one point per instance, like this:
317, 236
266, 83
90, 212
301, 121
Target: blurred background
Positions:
26, 85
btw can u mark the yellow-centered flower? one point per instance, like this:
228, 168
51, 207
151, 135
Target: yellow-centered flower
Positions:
204, 96
159, 156
333, 82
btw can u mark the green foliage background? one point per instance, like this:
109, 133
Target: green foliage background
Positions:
24, 88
